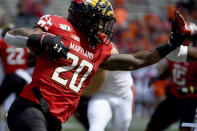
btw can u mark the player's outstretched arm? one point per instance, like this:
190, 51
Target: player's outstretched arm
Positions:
146, 58
134, 61
192, 54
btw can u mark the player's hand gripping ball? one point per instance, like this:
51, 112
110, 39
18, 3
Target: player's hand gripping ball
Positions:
48, 42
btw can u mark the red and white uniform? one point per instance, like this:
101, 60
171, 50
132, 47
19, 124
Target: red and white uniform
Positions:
62, 82
184, 75
12, 58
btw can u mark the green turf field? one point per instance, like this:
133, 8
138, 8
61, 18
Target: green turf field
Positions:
138, 124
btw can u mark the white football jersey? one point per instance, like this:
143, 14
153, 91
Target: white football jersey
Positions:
117, 83
114, 102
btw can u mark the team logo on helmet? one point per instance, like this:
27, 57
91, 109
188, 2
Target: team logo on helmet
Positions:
93, 17
104, 6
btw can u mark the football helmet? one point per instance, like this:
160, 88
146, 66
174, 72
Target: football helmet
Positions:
95, 18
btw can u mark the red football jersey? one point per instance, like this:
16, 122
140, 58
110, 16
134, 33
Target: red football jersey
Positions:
13, 58
62, 82
183, 75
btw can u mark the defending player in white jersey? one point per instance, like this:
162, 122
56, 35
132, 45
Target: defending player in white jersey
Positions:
114, 100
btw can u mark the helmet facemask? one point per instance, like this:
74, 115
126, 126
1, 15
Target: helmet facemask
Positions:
94, 23
100, 28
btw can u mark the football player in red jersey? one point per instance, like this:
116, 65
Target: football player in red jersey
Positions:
56, 86
180, 102
14, 61
181, 95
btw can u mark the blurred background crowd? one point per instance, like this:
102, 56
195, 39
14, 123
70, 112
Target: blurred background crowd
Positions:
141, 25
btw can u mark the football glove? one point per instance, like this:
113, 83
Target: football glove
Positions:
50, 43
179, 30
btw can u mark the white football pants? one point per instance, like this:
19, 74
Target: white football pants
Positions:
102, 107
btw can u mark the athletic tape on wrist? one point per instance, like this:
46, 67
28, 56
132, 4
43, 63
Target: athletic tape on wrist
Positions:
17, 41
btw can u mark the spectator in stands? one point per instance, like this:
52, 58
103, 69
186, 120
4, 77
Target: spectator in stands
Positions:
121, 15
28, 12
170, 10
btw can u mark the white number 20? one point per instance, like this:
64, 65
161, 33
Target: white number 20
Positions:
75, 60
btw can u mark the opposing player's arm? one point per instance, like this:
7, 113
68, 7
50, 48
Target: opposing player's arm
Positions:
96, 82
183, 54
131, 61
146, 58
192, 54
163, 72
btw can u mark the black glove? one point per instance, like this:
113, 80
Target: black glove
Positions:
179, 33
56, 47
179, 30
50, 43
187, 90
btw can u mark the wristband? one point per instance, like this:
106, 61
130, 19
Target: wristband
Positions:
34, 40
165, 49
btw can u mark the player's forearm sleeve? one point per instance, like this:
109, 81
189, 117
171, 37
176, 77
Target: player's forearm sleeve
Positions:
179, 54
17, 41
